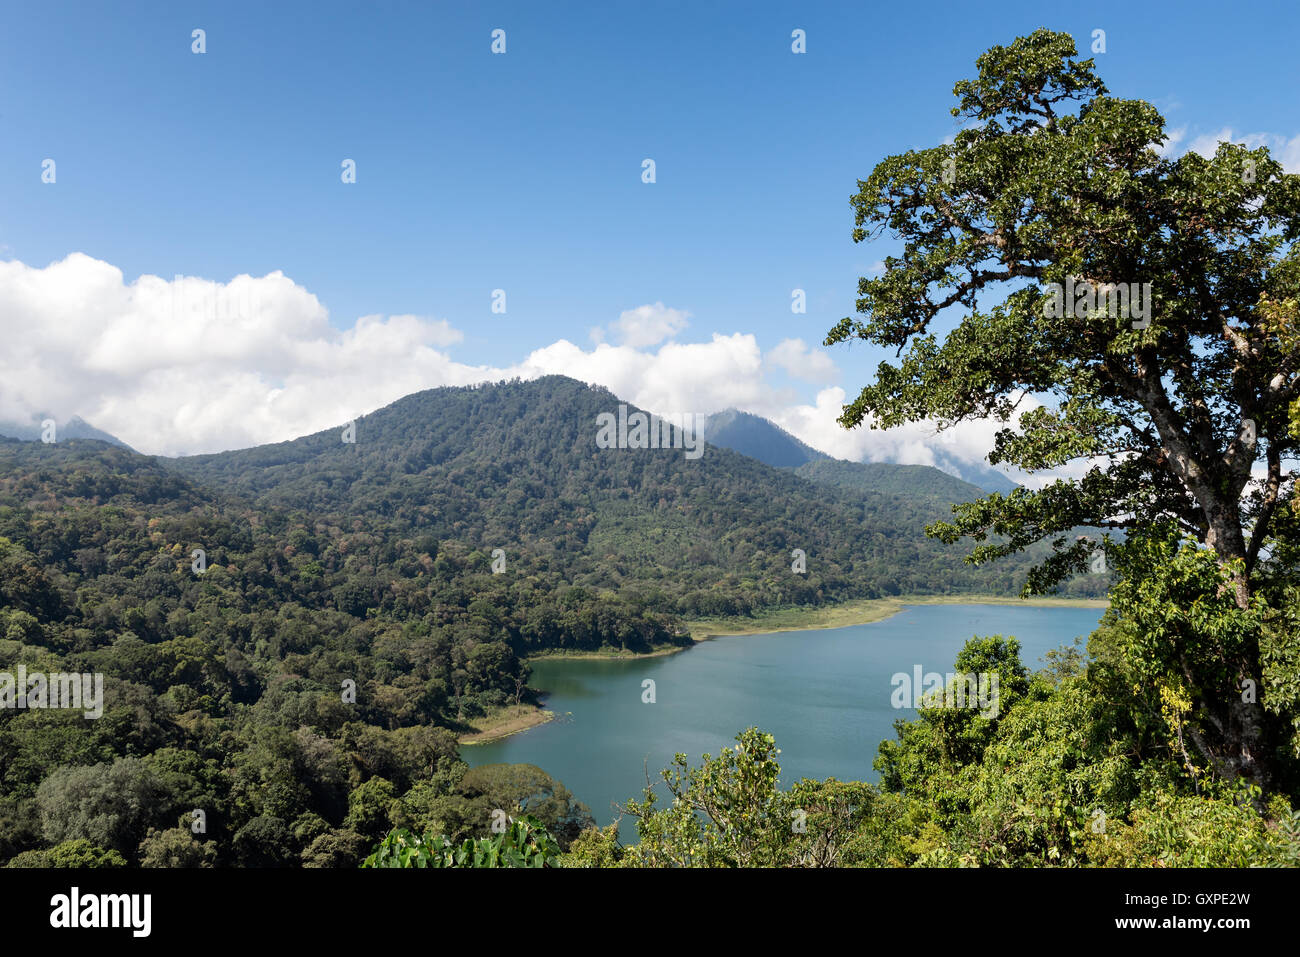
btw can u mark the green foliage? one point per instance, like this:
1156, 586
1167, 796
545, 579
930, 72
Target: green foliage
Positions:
371, 807
524, 843
726, 813
326, 563
518, 789
593, 535
729, 812
337, 848
106, 804
82, 853
175, 847
1174, 742
76, 853
594, 847
264, 842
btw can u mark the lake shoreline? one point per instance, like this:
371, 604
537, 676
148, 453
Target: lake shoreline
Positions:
604, 654
829, 699
501, 724
863, 612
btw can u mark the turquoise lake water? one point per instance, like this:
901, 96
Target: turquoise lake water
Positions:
825, 695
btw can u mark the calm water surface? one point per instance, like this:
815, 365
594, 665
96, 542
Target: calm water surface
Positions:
825, 695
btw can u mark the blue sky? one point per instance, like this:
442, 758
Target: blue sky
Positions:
523, 171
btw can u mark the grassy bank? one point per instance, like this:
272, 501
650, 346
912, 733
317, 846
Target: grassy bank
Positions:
861, 613
504, 722
601, 653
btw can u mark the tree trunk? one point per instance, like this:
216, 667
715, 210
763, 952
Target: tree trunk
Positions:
1241, 724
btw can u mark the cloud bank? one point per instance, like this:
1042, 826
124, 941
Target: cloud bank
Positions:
188, 365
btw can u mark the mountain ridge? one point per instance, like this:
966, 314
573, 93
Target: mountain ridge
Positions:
517, 464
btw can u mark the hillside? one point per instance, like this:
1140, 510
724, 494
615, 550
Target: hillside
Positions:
916, 481
979, 474
295, 672
516, 466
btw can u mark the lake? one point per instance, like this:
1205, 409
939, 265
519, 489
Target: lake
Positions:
824, 694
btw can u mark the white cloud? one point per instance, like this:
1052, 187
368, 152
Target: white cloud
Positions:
189, 365
680, 377
645, 325
186, 365
1169, 148
796, 358
917, 443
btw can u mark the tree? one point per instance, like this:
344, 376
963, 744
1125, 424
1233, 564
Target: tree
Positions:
726, 813
928, 758
82, 853
370, 808
264, 842
524, 789
342, 848
109, 805
175, 847
1169, 392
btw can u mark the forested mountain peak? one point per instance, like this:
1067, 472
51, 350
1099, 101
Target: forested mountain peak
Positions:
518, 466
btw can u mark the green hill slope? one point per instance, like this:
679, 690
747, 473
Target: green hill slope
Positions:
516, 466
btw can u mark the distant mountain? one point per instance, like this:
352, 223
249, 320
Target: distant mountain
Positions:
984, 476
74, 428
759, 439
766, 441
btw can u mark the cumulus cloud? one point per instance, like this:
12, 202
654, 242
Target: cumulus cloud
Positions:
186, 365
796, 358
189, 365
698, 377
916, 443
644, 326
1169, 148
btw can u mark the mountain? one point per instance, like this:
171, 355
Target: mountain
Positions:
74, 428
759, 439
517, 466
766, 441
979, 474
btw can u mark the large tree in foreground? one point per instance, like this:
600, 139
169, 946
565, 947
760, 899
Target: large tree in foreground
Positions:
1004, 303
